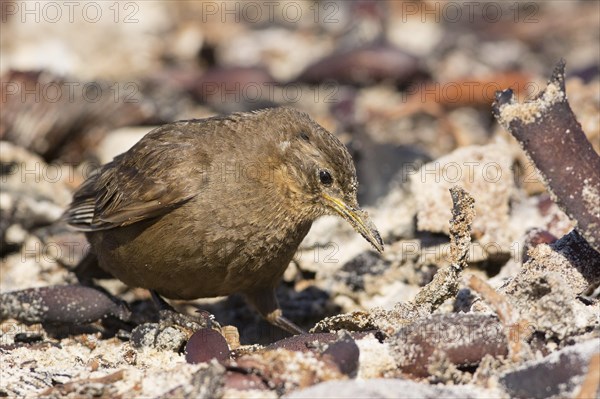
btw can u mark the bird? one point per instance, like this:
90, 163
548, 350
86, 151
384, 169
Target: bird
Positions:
211, 207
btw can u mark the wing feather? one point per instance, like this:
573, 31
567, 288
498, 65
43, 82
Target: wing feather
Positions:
145, 182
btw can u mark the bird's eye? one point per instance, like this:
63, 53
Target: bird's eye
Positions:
304, 136
325, 177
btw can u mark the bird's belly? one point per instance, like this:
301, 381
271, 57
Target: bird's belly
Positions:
179, 264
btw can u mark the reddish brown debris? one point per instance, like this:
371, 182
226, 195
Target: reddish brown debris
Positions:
590, 388
467, 92
508, 316
533, 238
362, 66
463, 338
62, 117
217, 84
318, 357
271, 369
343, 352
303, 342
437, 98
241, 380
550, 135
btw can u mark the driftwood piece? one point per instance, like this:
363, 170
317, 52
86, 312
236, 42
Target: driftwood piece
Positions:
445, 282
550, 135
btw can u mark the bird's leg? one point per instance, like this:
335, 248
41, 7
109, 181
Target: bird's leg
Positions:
169, 316
88, 269
160, 303
265, 302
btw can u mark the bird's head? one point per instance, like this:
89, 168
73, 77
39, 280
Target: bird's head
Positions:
318, 171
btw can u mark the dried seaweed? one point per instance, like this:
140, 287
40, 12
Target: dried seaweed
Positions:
443, 286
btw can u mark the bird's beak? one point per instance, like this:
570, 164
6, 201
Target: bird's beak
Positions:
360, 221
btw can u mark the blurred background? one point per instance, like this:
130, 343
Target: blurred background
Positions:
402, 83
399, 81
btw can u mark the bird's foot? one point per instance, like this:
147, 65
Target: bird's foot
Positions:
172, 330
266, 303
169, 316
277, 319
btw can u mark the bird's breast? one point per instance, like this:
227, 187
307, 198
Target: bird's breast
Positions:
204, 249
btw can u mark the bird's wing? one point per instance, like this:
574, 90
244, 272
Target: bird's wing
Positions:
145, 182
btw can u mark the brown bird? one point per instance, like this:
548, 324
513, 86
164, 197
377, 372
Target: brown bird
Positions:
210, 207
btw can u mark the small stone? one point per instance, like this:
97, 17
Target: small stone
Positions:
28, 337
144, 335
204, 345
170, 338
345, 354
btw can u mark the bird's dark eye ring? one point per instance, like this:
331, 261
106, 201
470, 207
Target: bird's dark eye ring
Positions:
325, 177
